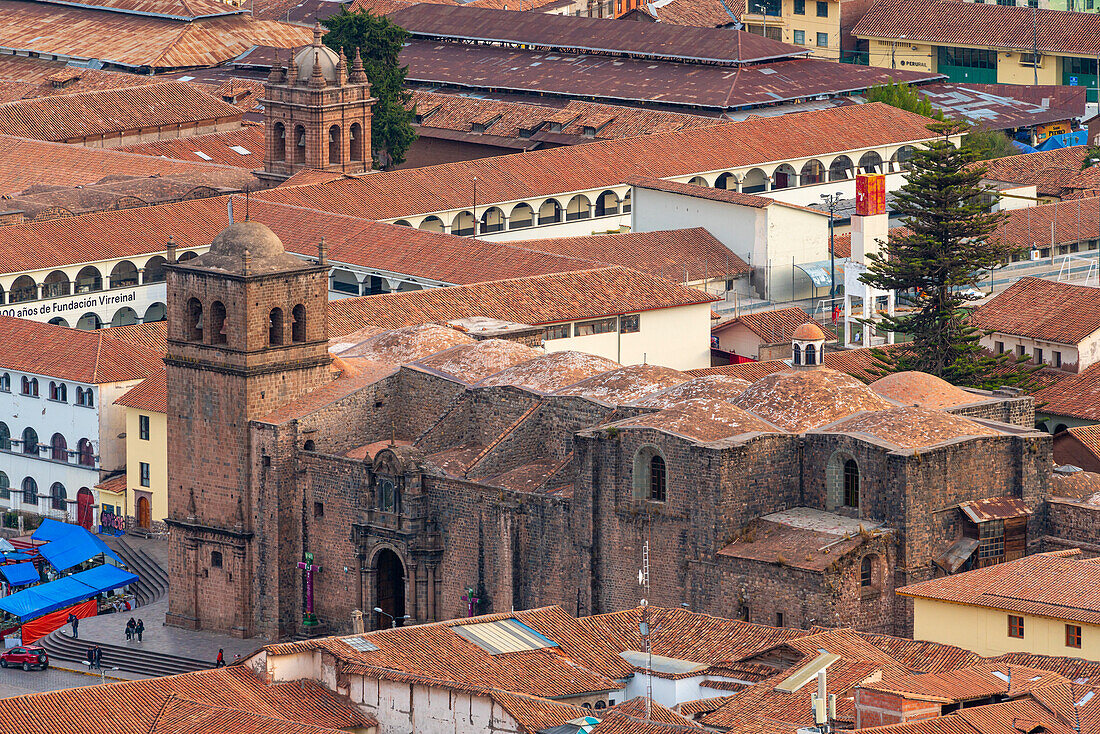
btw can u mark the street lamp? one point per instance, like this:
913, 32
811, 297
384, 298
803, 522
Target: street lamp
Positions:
894, 50
831, 201
393, 620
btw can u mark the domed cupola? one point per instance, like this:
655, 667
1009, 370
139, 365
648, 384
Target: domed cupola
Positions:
807, 346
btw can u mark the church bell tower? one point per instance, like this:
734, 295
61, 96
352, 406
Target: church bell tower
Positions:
246, 335
316, 114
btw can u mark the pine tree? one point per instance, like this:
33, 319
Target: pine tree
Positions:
945, 246
379, 41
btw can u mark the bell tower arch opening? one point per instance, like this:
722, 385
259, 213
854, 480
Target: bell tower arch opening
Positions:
389, 589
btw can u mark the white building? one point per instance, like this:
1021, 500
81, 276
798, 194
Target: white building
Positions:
60, 432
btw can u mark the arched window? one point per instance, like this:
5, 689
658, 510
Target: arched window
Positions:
5, 437
57, 496
796, 355
85, 397
550, 212
356, 142
23, 289
59, 450
866, 566
387, 495
5, 486
56, 284
811, 354
278, 142
334, 145
85, 452
59, 391
125, 274
298, 325
194, 320
851, 483
89, 279
215, 559
30, 491
299, 144
219, 325
309, 445
275, 327
657, 475
600, 705
154, 271
30, 441
5, 382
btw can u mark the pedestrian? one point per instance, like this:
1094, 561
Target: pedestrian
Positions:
220, 663
91, 658
139, 629
130, 629
74, 621
97, 657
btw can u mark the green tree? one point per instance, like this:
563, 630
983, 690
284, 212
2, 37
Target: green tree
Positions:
379, 41
940, 254
989, 144
903, 97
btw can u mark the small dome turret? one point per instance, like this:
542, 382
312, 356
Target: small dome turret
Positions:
316, 55
807, 345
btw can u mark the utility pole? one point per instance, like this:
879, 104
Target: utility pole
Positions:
1035, 44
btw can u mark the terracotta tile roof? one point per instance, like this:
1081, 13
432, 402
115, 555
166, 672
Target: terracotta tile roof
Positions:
470, 363
385, 7
1075, 396
786, 545
800, 400
533, 713
114, 485
580, 661
23, 78
716, 387
57, 164
138, 41
179, 716
680, 255
973, 24
626, 384
624, 122
108, 112
615, 722
1082, 485
216, 147
1045, 585
400, 346
537, 300
703, 705
686, 635
539, 173
526, 5
1072, 668
774, 327
1089, 436
1054, 172
706, 192
923, 389
551, 372
90, 357
636, 708
701, 419
858, 363
150, 394
1043, 309
355, 374
152, 335
966, 684
702, 13
125, 708
923, 656
910, 427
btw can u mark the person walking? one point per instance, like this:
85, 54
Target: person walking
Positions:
75, 622
220, 663
139, 629
97, 657
91, 658
130, 628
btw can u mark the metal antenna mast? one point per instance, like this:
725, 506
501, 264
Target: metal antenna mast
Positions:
643, 628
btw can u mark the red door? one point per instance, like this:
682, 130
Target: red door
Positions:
84, 501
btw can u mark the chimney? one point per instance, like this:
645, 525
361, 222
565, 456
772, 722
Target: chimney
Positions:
171, 254
871, 224
322, 252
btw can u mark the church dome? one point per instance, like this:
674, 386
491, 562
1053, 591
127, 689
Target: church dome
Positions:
247, 248
319, 55
799, 400
923, 389
808, 332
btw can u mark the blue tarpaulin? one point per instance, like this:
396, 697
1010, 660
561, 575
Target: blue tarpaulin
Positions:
69, 544
64, 592
1065, 140
20, 574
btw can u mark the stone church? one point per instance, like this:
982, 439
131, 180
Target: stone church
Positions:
441, 470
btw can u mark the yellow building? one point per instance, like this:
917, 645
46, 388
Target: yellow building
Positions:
145, 498
984, 43
1042, 604
814, 24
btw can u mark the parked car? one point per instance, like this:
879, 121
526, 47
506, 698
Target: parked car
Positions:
25, 656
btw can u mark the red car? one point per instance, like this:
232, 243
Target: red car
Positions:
27, 656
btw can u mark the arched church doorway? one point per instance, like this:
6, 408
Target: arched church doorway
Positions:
84, 502
389, 592
144, 513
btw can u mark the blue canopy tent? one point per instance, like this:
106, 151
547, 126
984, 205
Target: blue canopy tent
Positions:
69, 544
64, 592
20, 574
